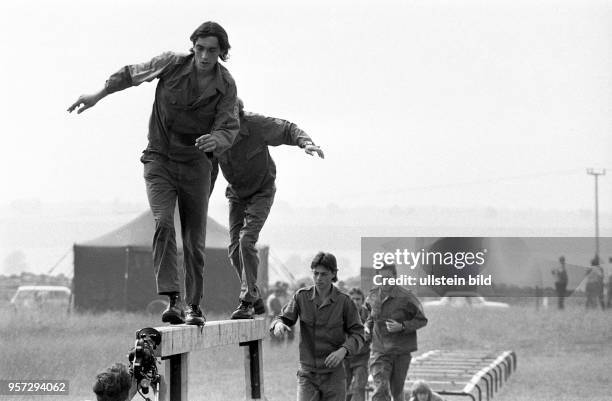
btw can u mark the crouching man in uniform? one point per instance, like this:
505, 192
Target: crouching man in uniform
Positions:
396, 316
330, 329
250, 172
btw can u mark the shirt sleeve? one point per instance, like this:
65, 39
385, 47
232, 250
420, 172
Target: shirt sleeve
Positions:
418, 319
277, 132
290, 312
353, 327
135, 74
227, 124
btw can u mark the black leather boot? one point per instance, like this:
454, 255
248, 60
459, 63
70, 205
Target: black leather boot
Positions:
195, 316
173, 313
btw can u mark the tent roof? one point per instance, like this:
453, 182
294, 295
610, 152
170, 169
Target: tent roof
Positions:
139, 233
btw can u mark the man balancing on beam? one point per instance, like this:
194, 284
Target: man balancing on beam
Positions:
194, 117
250, 172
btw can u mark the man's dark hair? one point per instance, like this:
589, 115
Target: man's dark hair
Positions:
357, 291
390, 266
210, 28
113, 384
328, 261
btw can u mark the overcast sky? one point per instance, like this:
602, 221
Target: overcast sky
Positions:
450, 103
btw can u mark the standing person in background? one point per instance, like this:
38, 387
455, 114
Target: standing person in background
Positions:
396, 315
560, 275
330, 329
356, 366
595, 285
274, 306
251, 173
194, 117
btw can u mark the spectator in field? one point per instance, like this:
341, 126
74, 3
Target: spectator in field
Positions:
422, 392
115, 384
274, 306
396, 315
356, 366
251, 173
194, 118
560, 275
595, 285
330, 329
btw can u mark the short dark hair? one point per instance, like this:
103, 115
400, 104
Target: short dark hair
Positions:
210, 28
113, 384
357, 291
390, 266
326, 260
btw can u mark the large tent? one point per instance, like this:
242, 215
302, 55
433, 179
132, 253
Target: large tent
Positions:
115, 271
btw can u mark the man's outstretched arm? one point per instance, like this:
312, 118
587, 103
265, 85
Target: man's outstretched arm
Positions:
128, 76
276, 131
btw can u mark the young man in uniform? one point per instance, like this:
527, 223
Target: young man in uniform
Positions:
194, 118
250, 172
330, 329
396, 315
356, 366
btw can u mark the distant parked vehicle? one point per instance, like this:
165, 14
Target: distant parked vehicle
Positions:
45, 298
465, 300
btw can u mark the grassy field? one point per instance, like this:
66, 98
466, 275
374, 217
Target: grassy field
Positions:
561, 355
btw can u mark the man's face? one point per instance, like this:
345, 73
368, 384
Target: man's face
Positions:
357, 300
322, 277
386, 273
206, 53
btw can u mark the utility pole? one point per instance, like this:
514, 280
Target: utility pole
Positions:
596, 174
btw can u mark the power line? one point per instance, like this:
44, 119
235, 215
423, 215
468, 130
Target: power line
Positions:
495, 180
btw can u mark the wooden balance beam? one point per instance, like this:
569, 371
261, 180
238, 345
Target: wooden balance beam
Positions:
179, 340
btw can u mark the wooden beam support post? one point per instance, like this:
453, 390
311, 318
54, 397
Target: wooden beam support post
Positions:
253, 370
175, 376
179, 340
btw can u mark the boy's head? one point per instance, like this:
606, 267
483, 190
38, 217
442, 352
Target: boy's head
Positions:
324, 270
357, 296
113, 384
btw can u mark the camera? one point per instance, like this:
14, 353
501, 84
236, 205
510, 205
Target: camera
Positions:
143, 363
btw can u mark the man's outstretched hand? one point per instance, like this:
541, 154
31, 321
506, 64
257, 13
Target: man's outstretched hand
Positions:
312, 149
280, 329
84, 102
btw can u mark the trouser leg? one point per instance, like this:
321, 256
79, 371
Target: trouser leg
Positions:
236, 221
401, 363
380, 368
307, 387
255, 215
194, 188
358, 383
162, 194
333, 386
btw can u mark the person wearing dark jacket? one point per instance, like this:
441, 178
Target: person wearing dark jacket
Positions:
194, 118
330, 329
561, 280
396, 315
250, 172
356, 366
